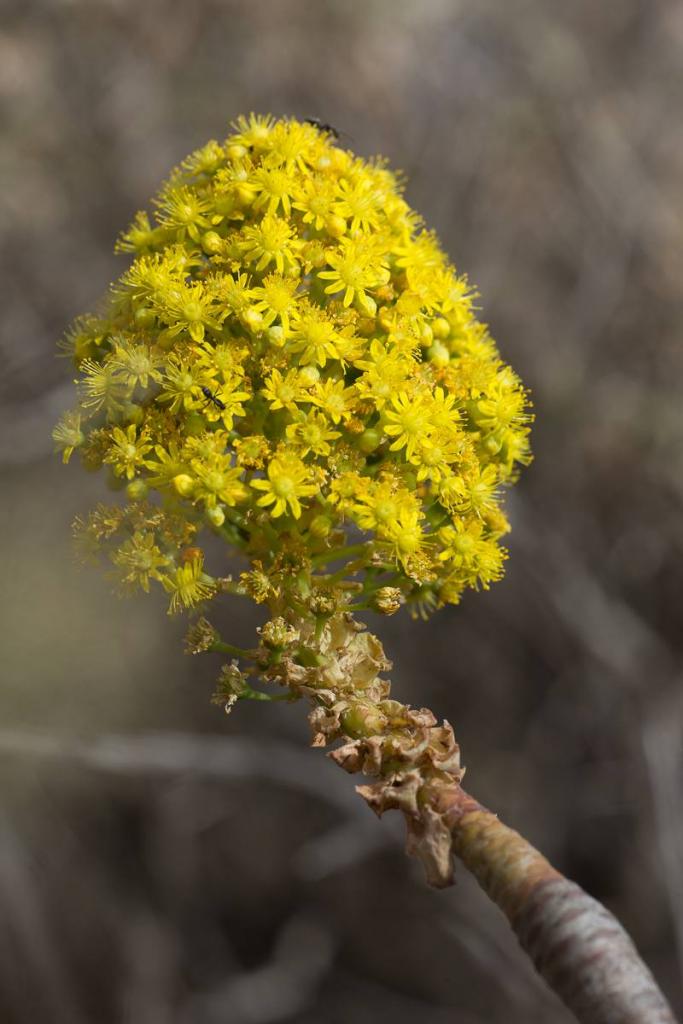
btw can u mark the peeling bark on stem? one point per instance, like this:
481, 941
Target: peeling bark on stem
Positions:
577, 946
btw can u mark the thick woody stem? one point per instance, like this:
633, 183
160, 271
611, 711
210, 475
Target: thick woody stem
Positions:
580, 949
575, 943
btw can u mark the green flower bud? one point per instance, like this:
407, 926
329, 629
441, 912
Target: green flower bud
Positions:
144, 317
183, 484
320, 526
194, 424
236, 152
366, 304
309, 375
492, 445
212, 243
426, 334
137, 490
335, 225
276, 336
439, 354
441, 327
253, 320
165, 340
133, 413
369, 440
215, 515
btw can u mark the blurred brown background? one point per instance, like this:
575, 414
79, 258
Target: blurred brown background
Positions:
161, 864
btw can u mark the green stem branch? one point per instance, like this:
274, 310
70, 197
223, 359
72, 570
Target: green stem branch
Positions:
220, 647
325, 557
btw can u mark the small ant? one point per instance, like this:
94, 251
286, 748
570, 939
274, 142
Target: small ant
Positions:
317, 123
211, 397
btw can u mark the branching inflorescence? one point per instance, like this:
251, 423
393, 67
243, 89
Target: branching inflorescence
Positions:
291, 363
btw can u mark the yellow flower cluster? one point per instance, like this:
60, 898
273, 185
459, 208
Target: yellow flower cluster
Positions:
291, 361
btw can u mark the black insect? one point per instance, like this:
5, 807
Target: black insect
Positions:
211, 397
317, 123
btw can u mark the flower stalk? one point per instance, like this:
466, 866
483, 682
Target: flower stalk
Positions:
290, 363
575, 943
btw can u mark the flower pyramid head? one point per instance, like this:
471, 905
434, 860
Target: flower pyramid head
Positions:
291, 364
291, 361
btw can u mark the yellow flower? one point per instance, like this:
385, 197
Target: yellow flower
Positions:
420, 251
504, 406
252, 451
205, 160
233, 292
127, 452
360, 201
223, 360
138, 560
187, 308
225, 403
183, 380
294, 146
217, 482
188, 585
207, 446
443, 412
356, 267
475, 492
312, 434
471, 556
288, 480
348, 487
316, 336
283, 392
334, 398
405, 534
136, 364
382, 504
289, 334
253, 132
139, 236
101, 386
234, 186
386, 373
276, 299
68, 435
170, 465
408, 421
317, 200
274, 187
272, 240
455, 293
435, 459
182, 211
83, 339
